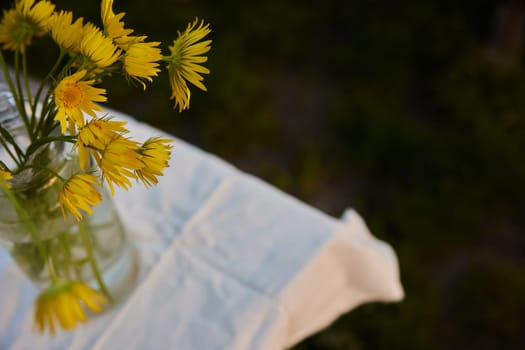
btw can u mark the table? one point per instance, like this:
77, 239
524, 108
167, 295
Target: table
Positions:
227, 262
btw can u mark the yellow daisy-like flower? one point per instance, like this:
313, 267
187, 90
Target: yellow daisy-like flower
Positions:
141, 61
96, 135
79, 192
118, 162
155, 154
184, 62
26, 20
5, 175
98, 48
74, 96
65, 32
65, 302
114, 28
141, 58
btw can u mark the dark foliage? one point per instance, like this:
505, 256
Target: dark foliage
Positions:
413, 112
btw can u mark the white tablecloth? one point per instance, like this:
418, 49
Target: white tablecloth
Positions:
227, 262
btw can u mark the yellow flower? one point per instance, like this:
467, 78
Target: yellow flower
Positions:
65, 32
155, 154
96, 135
72, 97
114, 28
65, 302
118, 162
141, 61
184, 62
20, 24
98, 48
5, 175
79, 192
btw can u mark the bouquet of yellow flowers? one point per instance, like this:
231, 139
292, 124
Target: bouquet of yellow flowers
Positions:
37, 180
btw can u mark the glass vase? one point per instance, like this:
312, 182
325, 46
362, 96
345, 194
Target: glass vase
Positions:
95, 250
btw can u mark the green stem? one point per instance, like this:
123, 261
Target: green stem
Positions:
30, 226
7, 138
51, 267
92, 260
66, 248
43, 121
7, 76
52, 172
20, 93
45, 81
26, 83
15, 159
45, 140
50, 123
19, 103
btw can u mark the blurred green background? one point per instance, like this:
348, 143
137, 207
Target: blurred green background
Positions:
412, 112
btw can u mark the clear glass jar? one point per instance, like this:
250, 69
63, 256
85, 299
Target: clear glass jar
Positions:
95, 250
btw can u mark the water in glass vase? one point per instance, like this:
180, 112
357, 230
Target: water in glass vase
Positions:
44, 242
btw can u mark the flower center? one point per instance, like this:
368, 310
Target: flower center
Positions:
72, 96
